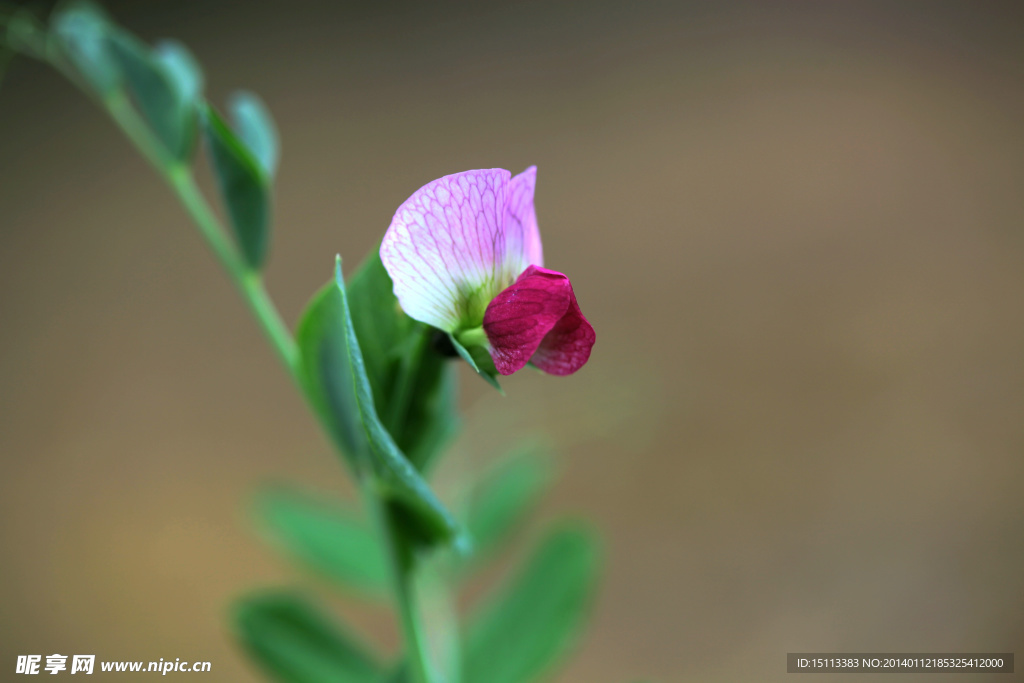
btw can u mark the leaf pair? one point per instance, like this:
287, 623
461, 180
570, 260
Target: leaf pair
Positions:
519, 632
335, 376
166, 82
336, 542
166, 85
514, 638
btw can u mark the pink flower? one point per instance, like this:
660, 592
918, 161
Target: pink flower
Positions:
465, 256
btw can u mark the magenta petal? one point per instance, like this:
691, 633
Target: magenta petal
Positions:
566, 348
518, 318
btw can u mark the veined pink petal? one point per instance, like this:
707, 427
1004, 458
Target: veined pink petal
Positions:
445, 249
538, 319
521, 229
458, 241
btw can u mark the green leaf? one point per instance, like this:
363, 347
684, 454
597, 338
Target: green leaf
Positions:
431, 420
256, 128
382, 328
81, 33
296, 643
519, 634
502, 499
159, 94
337, 383
327, 537
414, 386
185, 72
243, 185
480, 361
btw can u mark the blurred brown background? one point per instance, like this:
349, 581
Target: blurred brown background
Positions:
796, 228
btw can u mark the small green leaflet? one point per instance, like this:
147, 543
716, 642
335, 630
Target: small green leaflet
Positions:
294, 642
326, 536
256, 129
244, 186
80, 30
502, 498
522, 631
163, 89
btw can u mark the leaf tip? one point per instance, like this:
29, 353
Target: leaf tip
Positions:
338, 278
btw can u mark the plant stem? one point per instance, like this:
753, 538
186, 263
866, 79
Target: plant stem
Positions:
250, 285
179, 177
248, 281
402, 566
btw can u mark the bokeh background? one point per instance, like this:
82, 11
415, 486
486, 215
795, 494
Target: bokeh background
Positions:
796, 227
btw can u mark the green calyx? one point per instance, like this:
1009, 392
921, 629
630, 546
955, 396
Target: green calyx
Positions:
473, 337
473, 347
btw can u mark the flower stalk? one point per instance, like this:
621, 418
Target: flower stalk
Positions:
401, 563
249, 283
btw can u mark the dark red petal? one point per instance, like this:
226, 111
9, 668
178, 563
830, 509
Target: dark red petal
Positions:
519, 318
566, 348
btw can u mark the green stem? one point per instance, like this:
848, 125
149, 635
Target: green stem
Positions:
402, 565
179, 177
248, 281
250, 285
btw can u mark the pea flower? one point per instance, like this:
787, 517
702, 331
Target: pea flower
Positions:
465, 256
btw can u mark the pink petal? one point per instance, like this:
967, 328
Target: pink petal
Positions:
445, 250
566, 348
458, 241
521, 229
538, 319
